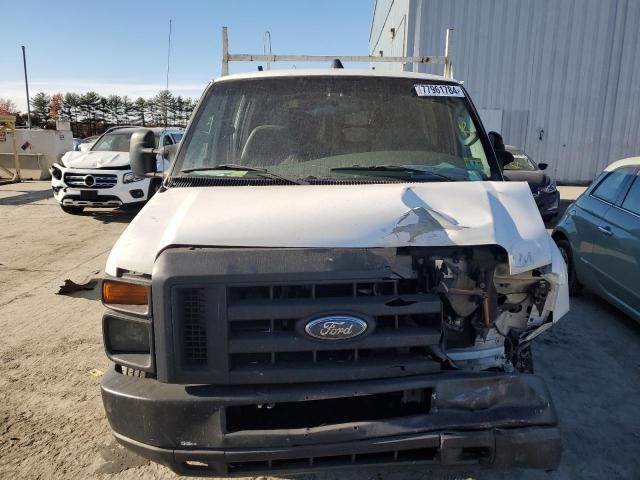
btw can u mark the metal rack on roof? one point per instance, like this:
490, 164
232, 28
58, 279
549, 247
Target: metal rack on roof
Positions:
444, 60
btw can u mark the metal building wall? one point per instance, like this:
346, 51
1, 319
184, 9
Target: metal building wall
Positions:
564, 73
387, 15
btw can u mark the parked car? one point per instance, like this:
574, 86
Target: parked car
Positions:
102, 176
335, 274
543, 187
85, 144
599, 237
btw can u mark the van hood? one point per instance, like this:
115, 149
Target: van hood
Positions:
90, 159
333, 216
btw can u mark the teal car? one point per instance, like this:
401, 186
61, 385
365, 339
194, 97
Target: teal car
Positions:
599, 237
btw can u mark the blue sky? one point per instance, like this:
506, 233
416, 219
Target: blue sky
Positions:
120, 46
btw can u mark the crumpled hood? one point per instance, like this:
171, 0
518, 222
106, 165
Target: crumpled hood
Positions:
384, 215
91, 159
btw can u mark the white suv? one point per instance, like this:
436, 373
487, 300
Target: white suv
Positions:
101, 177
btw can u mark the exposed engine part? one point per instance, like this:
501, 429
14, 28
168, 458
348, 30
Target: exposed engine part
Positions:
458, 287
489, 316
469, 291
539, 295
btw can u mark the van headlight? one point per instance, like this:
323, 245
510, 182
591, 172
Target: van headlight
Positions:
129, 177
127, 324
126, 296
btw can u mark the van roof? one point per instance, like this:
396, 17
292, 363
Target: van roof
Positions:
336, 72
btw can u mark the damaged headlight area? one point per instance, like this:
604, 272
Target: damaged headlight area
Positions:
489, 317
55, 172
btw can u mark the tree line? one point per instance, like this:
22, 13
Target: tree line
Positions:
91, 113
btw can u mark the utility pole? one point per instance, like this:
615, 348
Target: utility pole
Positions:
166, 105
26, 85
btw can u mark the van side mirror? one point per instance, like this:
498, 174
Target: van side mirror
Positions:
504, 157
142, 153
543, 166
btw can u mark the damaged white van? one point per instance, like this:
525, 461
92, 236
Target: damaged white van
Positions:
101, 177
333, 274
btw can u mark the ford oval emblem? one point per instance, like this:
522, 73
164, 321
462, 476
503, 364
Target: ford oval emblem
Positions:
336, 327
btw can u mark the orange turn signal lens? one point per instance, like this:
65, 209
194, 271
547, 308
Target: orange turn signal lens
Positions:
121, 293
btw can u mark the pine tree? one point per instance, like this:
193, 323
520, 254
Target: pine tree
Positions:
126, 110
163, 106
40, 108
113, 108
140, 109
90, 104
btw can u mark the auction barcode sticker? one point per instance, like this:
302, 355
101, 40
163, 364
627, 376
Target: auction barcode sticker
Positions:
438, 91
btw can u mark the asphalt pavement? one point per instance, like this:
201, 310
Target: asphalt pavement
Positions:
52, 424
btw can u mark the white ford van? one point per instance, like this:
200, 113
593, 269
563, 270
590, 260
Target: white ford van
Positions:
333, 274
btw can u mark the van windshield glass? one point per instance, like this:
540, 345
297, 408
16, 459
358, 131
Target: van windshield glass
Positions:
327, 128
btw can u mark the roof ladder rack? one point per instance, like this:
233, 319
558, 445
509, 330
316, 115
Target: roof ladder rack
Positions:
242, 57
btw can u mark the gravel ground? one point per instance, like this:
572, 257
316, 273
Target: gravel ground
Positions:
51, 419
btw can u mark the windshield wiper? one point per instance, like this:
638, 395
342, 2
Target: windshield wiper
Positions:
392, 168
242, 168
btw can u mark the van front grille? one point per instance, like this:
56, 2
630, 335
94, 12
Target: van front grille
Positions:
242, 316
265, 338
194, 325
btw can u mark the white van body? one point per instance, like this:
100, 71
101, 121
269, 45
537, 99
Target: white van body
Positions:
334, 272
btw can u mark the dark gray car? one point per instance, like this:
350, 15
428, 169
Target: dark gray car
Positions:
599, 237
543, 187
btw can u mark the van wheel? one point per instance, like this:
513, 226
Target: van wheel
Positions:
72, 210
575, 287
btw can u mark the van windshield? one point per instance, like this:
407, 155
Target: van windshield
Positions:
336, 128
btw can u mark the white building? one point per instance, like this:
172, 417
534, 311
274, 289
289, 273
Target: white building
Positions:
558, 78
38, 149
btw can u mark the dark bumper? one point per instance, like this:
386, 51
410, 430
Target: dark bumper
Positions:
488, 420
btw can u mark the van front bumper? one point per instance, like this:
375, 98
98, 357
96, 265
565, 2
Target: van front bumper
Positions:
474, 420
